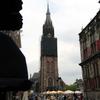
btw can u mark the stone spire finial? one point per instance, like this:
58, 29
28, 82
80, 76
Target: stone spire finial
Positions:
48, 19
48, 12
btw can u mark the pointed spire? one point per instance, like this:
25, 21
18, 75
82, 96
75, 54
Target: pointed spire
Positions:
48, 12
48, 29
48, 19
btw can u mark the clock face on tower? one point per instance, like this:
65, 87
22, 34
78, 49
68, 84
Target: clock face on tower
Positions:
49, 35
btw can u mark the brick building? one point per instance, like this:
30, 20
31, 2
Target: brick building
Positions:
90, 58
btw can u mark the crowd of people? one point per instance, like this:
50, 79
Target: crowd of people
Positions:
61, 97
31, 96
73, 97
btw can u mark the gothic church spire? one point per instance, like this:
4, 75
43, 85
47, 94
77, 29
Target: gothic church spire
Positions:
48, 12
48, 19
48, 27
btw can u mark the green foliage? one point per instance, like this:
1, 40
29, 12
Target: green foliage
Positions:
71, 87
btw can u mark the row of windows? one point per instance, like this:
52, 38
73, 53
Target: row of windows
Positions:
89, 51
91, 70
95, 47
90, 33
92, 83
89, 39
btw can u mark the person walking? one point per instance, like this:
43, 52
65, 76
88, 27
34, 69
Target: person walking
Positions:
25, 95
75, 97
64, 98
81, 97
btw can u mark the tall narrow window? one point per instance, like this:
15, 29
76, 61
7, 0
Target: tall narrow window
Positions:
50, 82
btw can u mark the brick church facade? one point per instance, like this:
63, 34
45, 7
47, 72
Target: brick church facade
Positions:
48, 59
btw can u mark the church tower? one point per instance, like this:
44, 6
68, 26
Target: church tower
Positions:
49, 60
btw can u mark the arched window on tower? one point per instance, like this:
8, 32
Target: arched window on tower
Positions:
50, 82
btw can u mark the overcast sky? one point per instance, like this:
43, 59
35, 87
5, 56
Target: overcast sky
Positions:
68, 17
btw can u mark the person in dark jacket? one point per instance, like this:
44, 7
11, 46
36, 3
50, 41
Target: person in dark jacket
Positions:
75, 97
64, 98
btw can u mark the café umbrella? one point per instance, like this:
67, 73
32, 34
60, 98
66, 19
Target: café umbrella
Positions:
69, 92
78, 92
60, 92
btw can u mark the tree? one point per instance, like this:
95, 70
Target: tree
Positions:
72, 87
